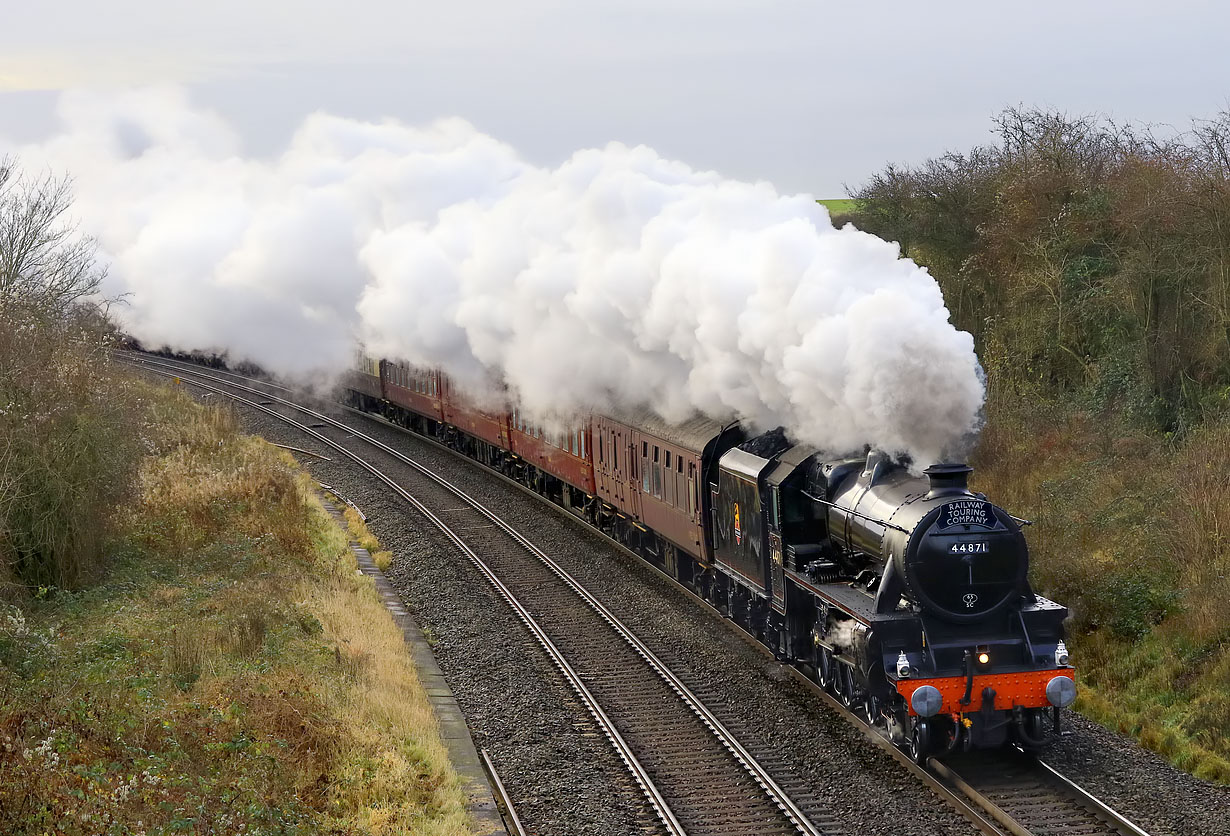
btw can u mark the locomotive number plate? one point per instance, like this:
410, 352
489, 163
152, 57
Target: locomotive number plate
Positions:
972, 547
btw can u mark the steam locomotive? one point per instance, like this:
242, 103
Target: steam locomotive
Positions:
904, 596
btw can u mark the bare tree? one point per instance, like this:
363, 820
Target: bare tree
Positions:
45, 263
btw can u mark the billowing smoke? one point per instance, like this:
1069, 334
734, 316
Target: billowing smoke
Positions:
618, 278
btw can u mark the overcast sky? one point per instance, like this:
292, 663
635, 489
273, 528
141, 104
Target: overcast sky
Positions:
808, 95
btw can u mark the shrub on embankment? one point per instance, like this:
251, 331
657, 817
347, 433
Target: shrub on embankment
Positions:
1091, 262
229, 673
68, 424
69, 448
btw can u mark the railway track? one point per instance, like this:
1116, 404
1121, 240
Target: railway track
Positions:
1004, 793
1026, 797
694, 772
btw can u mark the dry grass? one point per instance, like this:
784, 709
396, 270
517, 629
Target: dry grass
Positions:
359, 531
1132, 534
232, 672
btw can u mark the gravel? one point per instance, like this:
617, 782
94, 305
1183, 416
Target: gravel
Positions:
563, 776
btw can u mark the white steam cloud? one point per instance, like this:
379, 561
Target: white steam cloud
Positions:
618, 278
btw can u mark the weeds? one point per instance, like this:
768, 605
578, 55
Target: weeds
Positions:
359, 531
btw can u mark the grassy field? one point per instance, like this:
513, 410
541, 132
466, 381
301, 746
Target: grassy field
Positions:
230, 673
839, 206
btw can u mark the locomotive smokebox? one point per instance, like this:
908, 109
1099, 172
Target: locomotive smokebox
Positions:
948, 479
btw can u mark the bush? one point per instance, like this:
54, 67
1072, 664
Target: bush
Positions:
68, 429
69, 447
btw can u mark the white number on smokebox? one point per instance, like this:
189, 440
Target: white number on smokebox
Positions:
976, 547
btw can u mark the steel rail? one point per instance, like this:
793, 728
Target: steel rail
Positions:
745, 759
634, 766
1087, 798
513, 821
1068, 792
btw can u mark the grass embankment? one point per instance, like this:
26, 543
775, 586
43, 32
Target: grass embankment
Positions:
1133, 533
229, 673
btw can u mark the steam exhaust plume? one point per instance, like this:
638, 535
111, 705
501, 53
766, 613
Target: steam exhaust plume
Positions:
617, 278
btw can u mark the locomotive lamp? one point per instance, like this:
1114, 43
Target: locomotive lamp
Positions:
903, 666
1061, 654
982, 656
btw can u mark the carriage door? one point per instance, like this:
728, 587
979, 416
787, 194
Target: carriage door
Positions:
776, 564
632, 474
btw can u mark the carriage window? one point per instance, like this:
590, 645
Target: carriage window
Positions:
668, 459
679, 464
582, 434
691, 488
645, 475
600, 459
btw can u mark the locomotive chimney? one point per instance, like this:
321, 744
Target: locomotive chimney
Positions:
948, 479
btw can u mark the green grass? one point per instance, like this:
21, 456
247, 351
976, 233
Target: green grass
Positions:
839, 206
230, 673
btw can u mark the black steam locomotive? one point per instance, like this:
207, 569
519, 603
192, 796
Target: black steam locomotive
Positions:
906, 596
